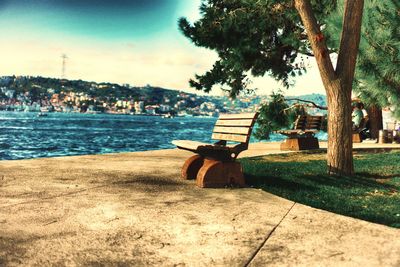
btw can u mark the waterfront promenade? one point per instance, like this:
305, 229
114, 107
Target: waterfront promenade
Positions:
131, 209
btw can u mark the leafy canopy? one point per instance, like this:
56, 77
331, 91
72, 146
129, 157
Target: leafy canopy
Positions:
251, 37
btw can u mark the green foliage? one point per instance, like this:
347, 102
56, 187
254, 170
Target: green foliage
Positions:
378, 64
256, 37
372, 194
274, 115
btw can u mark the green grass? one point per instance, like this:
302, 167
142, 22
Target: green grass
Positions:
372, 194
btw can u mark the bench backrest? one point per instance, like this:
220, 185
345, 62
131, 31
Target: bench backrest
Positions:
300, 122
234, 127
307, 122
314, 122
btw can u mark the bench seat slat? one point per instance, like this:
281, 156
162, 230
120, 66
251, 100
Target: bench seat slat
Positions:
238, 123
188, 144
230, 137
233, 130
194, 145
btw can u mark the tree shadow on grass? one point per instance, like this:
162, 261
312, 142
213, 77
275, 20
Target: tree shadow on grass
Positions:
291, 177
376, 176
276, 181
360, 196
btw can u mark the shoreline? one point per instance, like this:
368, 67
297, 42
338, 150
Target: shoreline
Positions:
115, 113
109, 113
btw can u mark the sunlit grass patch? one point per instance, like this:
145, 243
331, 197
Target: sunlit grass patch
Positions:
372, 194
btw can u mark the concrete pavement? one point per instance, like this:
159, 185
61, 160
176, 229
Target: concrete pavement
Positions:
131, 209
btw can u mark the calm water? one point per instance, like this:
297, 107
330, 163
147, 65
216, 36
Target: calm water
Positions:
25, 135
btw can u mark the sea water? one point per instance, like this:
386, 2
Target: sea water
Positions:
25, 135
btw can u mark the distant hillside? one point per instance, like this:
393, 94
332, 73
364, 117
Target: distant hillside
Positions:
39, 88
42, 85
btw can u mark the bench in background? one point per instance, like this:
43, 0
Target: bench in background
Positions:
302, 136
215, 165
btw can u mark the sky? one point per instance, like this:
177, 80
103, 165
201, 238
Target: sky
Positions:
134, 42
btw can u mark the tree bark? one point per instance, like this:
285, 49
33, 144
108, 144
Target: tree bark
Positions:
340, 144
375, 120
337, 83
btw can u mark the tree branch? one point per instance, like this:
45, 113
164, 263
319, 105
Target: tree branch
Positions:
317, 40
308, 101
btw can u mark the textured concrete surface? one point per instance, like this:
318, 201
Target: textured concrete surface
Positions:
131, 209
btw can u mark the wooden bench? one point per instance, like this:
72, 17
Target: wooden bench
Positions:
302, 136
215, 165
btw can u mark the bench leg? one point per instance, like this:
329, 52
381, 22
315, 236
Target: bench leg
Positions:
191, 167
356, 138
302, 143
217, 174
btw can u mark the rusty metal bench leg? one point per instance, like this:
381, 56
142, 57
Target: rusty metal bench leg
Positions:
191, 167
217, 174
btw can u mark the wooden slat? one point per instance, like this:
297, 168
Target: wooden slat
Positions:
313, 124
230, 137
245, 122
188, 144
313, 118
237, 116
300, 122
233, 130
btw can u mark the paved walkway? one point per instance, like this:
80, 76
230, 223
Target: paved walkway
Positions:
131, 209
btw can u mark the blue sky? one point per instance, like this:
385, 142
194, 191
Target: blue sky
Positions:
112, 20
122, 41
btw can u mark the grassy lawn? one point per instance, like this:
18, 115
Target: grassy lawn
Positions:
372, 194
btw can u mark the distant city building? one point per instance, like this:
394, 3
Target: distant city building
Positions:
165, 108
207, 106
150, 110
139, 107
9, 93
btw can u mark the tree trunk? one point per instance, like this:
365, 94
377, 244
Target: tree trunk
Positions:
375, 120
340, 145
337, 83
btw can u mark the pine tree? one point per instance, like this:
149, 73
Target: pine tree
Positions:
378, 64
268, 36
379, 60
